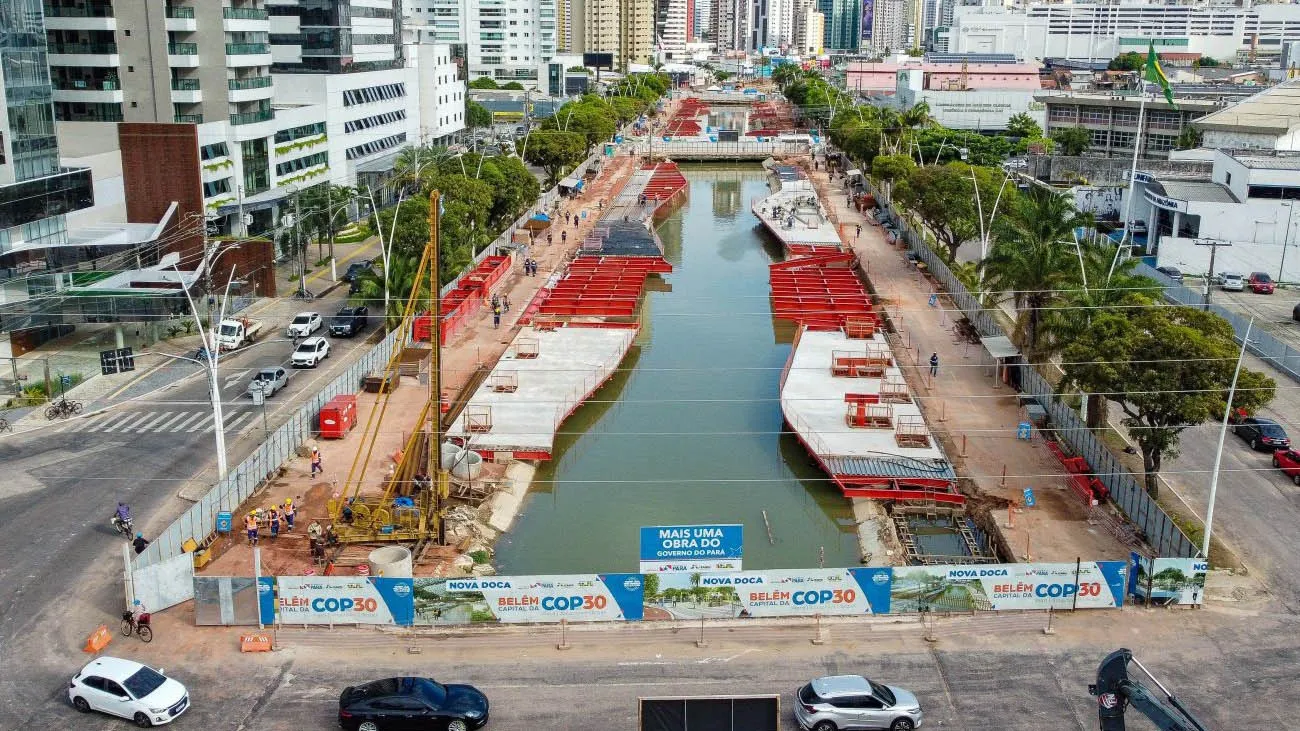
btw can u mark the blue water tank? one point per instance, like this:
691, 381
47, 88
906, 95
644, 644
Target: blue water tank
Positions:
224, 522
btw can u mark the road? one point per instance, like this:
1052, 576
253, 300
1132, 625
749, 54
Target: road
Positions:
61, 483
994, 674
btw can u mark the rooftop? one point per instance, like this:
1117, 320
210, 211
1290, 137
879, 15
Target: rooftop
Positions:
1196, 190
1272, 111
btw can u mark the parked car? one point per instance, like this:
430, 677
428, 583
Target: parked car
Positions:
1260, 283
852, 702
1173, 273
1232, 282
310, 352
128, 689
268, 381
304, 324
357, 268
1262, 434
1295, 312
349, 321
412, 703
1288, 460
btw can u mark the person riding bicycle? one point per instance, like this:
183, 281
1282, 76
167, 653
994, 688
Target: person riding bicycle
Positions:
122, 516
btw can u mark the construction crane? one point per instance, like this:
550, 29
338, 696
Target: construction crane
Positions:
1116, 691
413, 505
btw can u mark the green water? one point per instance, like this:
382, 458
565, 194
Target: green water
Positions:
689, 431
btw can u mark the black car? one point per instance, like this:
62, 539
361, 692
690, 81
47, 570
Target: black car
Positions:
1262, 434
357, 268
1171, 272
349, 321
412, 703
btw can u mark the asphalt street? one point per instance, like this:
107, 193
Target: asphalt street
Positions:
62, 482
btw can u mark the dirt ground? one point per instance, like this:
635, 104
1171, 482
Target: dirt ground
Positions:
969, 408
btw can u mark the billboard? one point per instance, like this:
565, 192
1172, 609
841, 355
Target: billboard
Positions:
1168, 580
1086, 585
687, 548
334, 600
774, 593
577, 598
598, 60
868, 11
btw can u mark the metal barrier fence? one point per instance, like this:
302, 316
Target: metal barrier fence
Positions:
1269, 349
1159, 530
201, 519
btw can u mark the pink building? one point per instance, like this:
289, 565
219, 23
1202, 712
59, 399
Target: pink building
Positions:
882, 78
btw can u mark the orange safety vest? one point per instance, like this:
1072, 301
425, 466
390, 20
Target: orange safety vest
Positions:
250, 523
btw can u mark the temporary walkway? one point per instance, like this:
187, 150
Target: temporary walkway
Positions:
847, 401
794, 214
542, 378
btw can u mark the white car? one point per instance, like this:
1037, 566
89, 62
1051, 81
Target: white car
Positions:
128, 689
1233, 283
310, 352
304, 324
268, 381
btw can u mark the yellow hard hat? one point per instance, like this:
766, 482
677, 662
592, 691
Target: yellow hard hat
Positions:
288, 501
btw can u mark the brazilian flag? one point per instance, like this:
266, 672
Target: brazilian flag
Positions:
1156, 75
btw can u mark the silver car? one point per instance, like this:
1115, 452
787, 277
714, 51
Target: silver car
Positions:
852, 702
1232, 282
268, 381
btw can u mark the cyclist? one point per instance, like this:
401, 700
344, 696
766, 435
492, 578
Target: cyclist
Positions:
122, 516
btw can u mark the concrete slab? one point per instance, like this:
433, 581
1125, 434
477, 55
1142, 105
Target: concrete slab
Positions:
803, 220
571, 363
507, 501
813, 401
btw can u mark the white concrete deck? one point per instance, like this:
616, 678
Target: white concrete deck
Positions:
810, 225
571, 363
812, 400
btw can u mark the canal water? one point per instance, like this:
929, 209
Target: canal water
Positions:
690, 430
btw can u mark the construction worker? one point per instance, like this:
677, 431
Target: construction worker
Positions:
139, 543
289, 512
313, 531
250, 526
275, 522
316, 463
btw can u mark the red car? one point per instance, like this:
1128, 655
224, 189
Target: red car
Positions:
1260, 283
1288, 460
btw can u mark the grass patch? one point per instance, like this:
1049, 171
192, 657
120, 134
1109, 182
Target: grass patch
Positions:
480, 556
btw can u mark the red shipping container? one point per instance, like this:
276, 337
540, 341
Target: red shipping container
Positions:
338, 416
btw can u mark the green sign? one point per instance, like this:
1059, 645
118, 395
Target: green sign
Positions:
1158, 42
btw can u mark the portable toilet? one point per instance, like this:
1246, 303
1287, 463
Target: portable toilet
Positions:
338, 416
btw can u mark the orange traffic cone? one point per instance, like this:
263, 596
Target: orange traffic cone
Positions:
98, 639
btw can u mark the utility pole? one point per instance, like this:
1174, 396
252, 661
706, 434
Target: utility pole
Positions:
1286, 239
1214, 247
302, 251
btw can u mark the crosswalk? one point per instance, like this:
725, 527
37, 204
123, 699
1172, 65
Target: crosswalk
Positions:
162, 422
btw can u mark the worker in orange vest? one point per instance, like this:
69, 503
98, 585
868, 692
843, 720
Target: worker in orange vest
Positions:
250, 525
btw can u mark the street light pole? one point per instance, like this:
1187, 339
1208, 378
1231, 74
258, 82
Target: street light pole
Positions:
212, 351
1223, 431
1286, 238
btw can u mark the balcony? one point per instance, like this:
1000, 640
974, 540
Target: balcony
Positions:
84, 54
262, 115
245, 20
183, 55
91, 16
250, 89
189, 119
185, 84
181, 19
186, 91
105, 91
244, 14
248, 54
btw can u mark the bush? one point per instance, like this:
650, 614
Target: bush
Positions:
480, 556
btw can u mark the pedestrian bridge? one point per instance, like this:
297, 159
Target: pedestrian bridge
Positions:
696, 150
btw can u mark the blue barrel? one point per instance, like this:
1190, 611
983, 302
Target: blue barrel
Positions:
224, 522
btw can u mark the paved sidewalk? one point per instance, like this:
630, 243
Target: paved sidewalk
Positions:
971, 412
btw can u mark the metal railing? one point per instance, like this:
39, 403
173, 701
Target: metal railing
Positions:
182, 49
247, 49
1269, 349
189, 118
103, 48
79, 11
244, 14
1158, 529
261, 115
255, 82
185, 84
180, 11
200, 520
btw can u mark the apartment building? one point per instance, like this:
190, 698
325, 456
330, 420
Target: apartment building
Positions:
442, 91
624, 28
889, 27
730, 21
674, 28
844, 24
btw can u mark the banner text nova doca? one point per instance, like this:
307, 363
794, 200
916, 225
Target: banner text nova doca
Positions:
576, 598
796, 592
334, 600
1087, 585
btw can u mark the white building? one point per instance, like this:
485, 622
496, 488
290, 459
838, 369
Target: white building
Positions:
1267, 121
441, 91
981, 109
889, 26
1103, 31
505, 40
671, 26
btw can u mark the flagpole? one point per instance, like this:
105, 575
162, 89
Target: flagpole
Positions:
1132, 173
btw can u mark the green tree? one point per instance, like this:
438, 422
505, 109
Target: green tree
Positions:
324, 211
555, 152
1023, 125
476, 115
1188, 139
892, 169
512, 86
1168, 368
1130, 61
943, 196
1034, 262
650, 585
1205, 62
483, 82
1074, 141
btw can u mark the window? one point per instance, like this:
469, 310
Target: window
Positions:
1098, 137
216, 149
1092, 115
302, 163
373, 94
1126, 117
1122, 139
216, 187
1274, 192
379, 145
375, 121
1160, 143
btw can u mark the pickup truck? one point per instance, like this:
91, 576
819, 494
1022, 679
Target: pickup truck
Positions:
349, 321
237, 332
1288, 460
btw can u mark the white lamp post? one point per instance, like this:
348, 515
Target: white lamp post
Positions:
212, 351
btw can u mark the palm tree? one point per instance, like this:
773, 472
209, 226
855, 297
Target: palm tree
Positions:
1034, 262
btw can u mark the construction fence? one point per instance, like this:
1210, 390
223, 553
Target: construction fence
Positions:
1157, 528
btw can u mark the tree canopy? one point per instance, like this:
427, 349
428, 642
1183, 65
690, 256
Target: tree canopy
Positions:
555, 152
1023, 125
476, 115
1074, 141
483, 82
1129, 61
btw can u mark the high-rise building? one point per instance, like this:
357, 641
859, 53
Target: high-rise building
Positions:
810, 30
623, 28
756, 31
703, 20
730, 22
780, 22
889, 26
843, 23
674, 27
505, 40
36, 192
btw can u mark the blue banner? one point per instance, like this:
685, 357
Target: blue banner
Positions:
674, 548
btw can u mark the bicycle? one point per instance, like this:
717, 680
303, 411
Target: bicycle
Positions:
138, 624
63, 408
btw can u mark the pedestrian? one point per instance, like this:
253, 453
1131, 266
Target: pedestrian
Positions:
275, 522
316, 465
564, 237
313, 530
289, 512
934, 364
505, 302
250, 527
139, 543
858, 233
566, 216
550, 237
496, 316
495, 301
